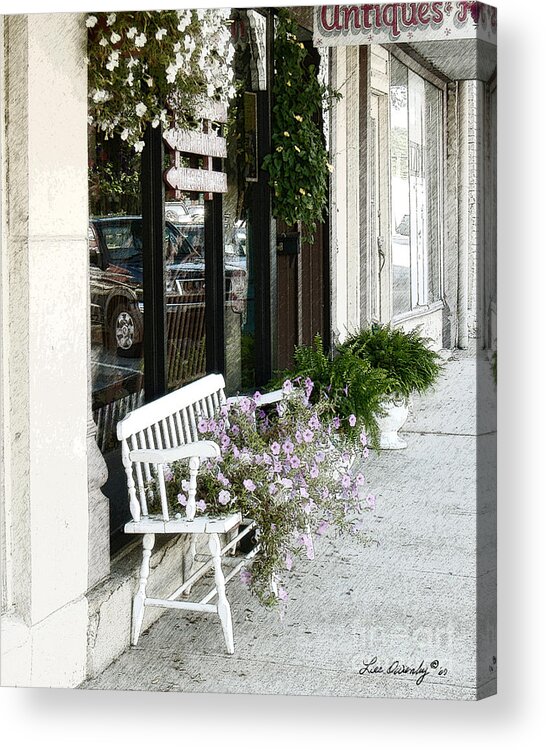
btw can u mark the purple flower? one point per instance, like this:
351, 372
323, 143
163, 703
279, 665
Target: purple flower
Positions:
314, 422
275, 448
245, 404
346, 481
322, 528
319, 457
308, 385
359, 479
352, 420
288, 446
203, 425
212, 424
273, 489
223, 480
287, 387
303, 492
182, 499
298, 436
236, 451
249, 485
288, 561
308, 507
287, 483
225, 442
308, 436
277, 467
235, 430
224, 497
371, 501
295, 463
283, 594
246, 576
363, 439
267, 459
201, 505
336, 423
257, 396
168, 473
314, 471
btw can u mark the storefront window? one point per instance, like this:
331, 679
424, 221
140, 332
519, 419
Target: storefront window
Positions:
115, 278
416, 189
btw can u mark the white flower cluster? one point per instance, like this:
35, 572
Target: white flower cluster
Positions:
198, 58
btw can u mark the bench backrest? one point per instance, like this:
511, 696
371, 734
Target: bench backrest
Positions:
165, 423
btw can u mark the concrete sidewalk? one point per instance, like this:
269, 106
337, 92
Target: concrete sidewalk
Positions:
408, 598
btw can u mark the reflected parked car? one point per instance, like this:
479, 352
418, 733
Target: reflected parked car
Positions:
115, 254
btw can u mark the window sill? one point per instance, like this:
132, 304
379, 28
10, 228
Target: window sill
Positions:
418, 312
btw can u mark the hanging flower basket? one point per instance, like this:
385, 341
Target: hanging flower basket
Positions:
156, 67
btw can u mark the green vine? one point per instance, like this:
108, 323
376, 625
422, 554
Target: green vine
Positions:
298, 164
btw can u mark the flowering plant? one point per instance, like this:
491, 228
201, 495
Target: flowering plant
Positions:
155, 67
288, 470
298, 164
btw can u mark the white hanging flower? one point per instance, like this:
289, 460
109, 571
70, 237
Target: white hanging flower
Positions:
91, 21
184, 19
100, 95
155, 122
141, 109
132, 62
171, 71
103, 42
130, 79
140, 40
114, 38
113, 60
150, 82
90, 120
210, 90
160, 33
139, 145
177, 47
189, 44
132, 33
110, 19
124, 134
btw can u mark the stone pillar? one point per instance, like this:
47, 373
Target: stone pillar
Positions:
45, 350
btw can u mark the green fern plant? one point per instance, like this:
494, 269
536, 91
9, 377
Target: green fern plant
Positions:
404, 357
351, 385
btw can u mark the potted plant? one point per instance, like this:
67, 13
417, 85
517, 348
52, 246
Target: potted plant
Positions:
287, 470
409, 365
351, 387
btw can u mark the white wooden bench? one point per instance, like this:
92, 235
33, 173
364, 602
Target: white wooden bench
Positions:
157, 434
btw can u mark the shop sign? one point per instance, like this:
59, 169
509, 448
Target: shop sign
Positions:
339, 25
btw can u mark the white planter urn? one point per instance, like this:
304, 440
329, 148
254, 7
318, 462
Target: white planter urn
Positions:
394, 419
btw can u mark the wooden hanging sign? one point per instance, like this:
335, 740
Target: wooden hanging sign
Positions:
204, 144
196, 180
194, 142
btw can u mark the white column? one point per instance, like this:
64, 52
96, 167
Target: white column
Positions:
45, 349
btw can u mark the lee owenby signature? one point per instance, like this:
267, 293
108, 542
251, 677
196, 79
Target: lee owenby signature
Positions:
397, 668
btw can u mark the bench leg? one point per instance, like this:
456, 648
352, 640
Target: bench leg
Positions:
224, 610
189, 559
140, 596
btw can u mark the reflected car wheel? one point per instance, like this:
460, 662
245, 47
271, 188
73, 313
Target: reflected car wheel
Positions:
125, 333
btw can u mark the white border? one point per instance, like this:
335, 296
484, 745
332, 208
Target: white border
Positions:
32, 718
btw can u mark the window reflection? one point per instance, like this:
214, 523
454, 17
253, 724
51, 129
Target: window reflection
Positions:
185, 291
400, 188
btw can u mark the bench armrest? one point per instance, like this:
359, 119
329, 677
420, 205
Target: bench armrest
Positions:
199, 449
265, 398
